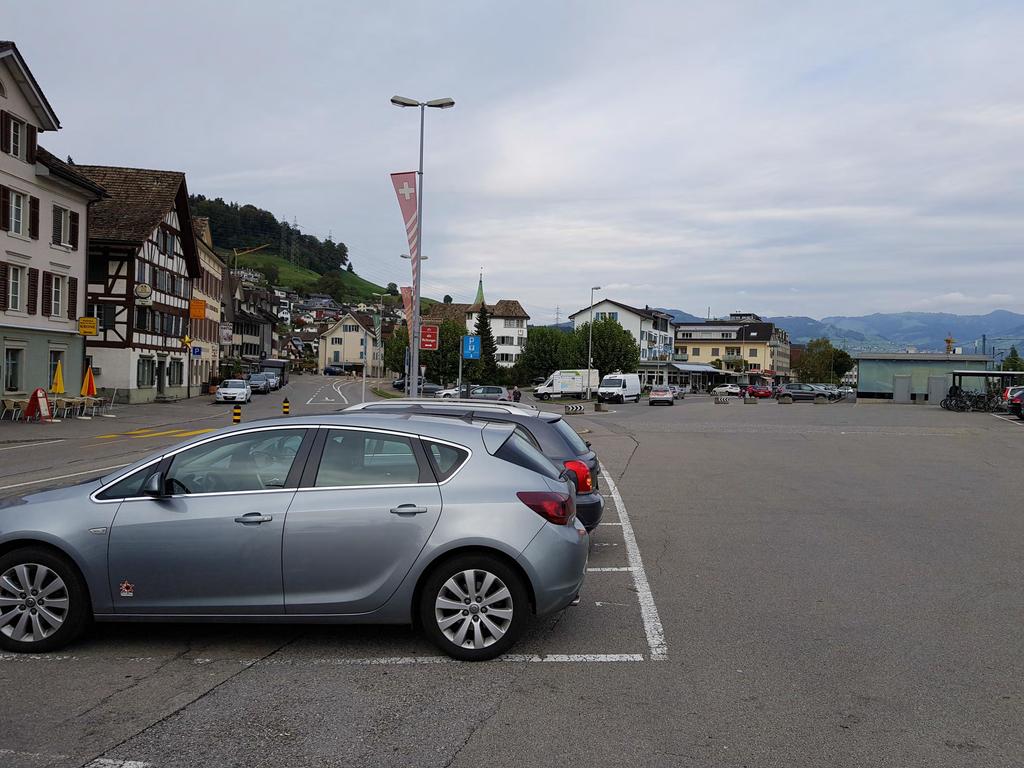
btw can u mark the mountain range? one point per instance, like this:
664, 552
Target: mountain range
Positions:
925, 331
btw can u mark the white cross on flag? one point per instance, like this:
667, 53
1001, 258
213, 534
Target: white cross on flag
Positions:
405, 188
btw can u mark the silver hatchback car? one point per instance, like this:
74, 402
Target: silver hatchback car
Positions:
460, 527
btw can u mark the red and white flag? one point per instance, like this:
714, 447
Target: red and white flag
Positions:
407, 301
405, 188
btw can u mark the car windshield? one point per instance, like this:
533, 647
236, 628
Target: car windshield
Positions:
232, 384
571, 437
607, 382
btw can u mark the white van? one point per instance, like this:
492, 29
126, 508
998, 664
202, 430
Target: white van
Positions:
619, 387
566, 384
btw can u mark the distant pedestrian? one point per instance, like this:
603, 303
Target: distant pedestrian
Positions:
516, 394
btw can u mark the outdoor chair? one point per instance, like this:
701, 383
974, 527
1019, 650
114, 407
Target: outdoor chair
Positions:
9, 406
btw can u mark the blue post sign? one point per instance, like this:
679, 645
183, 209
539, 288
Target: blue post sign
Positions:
471, 347
197, 351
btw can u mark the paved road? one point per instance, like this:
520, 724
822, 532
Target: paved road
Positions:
837, 585
35, 456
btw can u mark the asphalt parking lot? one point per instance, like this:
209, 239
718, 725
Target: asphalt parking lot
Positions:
779, 585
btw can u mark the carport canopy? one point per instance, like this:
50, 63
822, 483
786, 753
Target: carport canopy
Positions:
1005, 377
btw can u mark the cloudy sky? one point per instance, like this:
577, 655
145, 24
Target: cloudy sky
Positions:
798, 158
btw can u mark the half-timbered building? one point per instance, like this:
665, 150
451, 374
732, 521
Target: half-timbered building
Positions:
142, 260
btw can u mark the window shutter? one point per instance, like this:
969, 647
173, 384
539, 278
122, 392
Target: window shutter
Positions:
73, 215
32, 304
47, 294
72, 298
3, 287
55, 237
33, 218
5, 133
5, 208
30, 143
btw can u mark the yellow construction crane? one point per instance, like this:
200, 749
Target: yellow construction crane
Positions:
950, 341
247, 251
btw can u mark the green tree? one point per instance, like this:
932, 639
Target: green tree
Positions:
349, 268
270, 272
1013, 361
392, 289
447, 299
394, 350
822, 363
484, 370
546, 350
443, 363
615, 349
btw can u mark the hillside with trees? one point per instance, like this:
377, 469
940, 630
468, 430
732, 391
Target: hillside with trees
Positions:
241, 226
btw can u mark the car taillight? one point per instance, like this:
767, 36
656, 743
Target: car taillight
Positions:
584, 482
1006, 394
557, 508
1017, 399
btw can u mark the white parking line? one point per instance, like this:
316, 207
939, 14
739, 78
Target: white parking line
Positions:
104, 762
30, 445
1018, 422
514, 658
648, 610
98, 470
609, 570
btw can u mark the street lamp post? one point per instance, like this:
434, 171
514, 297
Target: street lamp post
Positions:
414, 341
590, 338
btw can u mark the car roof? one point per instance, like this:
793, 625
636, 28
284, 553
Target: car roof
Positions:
451, 402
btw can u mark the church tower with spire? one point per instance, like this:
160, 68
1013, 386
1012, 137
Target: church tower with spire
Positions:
479, 300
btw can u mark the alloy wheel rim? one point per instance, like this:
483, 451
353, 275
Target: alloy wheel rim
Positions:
473, 609
34, 602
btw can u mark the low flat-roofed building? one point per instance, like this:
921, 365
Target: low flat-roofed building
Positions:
876, 370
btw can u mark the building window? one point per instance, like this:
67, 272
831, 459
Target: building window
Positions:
753, 352
56, 358
176, 373
143, 317
12, 369
685, 335
337, 340
506, 341
57, 296
15, 281
732, 351
141, 271
682, 350
17, 137
715, 351
61, 226
146, 372
696, 351
17, 222
517, 323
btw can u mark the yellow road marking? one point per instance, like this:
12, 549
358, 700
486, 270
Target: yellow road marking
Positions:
195, 432
157, 434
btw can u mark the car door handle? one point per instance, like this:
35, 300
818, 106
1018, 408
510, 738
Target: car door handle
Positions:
254, 517
408, 509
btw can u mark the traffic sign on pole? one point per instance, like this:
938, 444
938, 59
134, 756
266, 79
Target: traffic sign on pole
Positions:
429, 337
471, 347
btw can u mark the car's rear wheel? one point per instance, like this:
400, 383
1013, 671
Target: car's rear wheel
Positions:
44, 604
474, 607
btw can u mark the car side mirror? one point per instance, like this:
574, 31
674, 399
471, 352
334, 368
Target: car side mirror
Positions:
587, 442
154, 485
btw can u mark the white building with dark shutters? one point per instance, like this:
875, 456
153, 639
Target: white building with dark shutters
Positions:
142, 261
44, 206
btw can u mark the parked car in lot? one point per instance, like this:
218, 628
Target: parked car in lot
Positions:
333, 370
677, 392
758, 390
619, 387
799, 391
726, 389
1014, 404
549, 432
458, 525
260, 382
661, 393
233, 391
488, 392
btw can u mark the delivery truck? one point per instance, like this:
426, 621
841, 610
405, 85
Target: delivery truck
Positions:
567, 384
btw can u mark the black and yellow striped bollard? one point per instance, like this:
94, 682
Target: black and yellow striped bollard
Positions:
286, 407
236, 414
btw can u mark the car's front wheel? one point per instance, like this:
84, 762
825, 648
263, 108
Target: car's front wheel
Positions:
474, 607
44, 604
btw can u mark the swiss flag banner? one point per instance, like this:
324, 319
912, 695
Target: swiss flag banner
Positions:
407, 301
405, 188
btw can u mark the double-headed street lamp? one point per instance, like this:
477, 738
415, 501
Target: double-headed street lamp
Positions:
413, 377
590, 340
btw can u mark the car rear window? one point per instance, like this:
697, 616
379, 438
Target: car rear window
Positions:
575, 442
518, 450
444, 459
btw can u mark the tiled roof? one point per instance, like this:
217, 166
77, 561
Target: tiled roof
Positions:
138, 199
647, 312
458, 312
67, 172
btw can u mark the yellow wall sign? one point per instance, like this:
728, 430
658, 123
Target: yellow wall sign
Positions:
88, 326
197, 309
